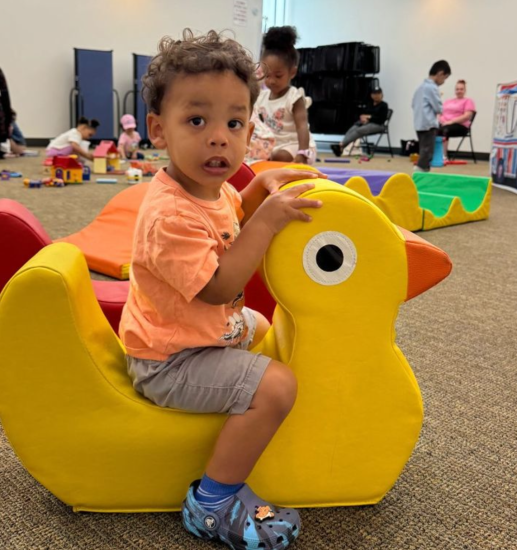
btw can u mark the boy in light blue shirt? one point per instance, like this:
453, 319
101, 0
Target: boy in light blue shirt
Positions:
427, 105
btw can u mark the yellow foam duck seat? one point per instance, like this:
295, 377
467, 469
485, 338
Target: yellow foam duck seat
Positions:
77, 425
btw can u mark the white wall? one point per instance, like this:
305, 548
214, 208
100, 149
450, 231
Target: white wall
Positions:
477, 37
38, 37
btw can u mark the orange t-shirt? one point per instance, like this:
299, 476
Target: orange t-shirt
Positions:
177, 243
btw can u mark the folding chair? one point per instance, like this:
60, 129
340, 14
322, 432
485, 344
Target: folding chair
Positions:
364, 140
469, 135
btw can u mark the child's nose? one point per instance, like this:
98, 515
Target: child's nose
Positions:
219, 138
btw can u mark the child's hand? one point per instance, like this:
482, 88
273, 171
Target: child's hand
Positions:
285, 206
272, 180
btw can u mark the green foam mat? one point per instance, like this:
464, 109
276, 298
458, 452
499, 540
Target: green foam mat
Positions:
437, 191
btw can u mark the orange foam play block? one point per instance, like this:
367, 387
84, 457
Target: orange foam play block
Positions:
108, 240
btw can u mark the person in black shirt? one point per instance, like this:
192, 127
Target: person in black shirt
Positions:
371, 121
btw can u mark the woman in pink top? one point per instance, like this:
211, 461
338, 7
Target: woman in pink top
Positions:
456, 116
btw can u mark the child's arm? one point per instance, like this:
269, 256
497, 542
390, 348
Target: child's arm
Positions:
80, 152
122, 151
302, 128
269, 182
237, 265
435, 101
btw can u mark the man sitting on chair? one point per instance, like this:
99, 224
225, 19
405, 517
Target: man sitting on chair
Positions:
370, 122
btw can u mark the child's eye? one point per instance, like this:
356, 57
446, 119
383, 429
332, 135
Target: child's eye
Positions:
235, 125
197, 121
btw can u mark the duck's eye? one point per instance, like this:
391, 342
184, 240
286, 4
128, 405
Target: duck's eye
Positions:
329, 258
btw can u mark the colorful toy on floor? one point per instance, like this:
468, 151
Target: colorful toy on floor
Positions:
133, 175
86, 172
106, 158
106, 180
147, 168
52, 182
340, 287
154, 157
338, 160
455, 162
413, 157
32, 184
8, 174
68, 169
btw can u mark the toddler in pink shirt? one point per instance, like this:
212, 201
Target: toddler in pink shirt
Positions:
130, 139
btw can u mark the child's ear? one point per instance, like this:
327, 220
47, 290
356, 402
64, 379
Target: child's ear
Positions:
251, 128
155, 131
293, 72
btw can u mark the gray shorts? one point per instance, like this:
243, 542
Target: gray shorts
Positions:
202, 380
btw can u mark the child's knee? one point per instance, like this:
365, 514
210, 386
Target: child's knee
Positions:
282, 156
278, 388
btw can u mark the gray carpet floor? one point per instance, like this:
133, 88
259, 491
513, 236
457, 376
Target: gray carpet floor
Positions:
459, 489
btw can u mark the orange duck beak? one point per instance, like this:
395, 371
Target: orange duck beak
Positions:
427, 264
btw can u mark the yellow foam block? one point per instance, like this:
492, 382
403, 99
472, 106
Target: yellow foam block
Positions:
398, 199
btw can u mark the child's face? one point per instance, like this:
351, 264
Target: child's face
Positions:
440, 78
278, 74
86, 131
205, 126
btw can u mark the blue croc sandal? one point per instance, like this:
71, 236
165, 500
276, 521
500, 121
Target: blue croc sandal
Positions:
246, 523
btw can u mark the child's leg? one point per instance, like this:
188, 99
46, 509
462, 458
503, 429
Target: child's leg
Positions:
287, 152
16, 148
244, 437
64, 152
258, 394
426, 142
282, 155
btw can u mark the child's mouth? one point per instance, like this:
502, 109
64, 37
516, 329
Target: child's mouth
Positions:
216, 165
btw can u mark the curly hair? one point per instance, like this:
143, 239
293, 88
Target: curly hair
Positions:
280, 41
196, 55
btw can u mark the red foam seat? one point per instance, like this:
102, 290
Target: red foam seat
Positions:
22, 236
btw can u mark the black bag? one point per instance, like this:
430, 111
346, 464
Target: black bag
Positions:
408, 147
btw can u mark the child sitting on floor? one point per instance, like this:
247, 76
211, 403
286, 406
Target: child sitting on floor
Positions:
130, 139
75, 141
197, 243
282, 106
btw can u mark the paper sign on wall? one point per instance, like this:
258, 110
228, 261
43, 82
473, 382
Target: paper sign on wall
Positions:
240, 13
